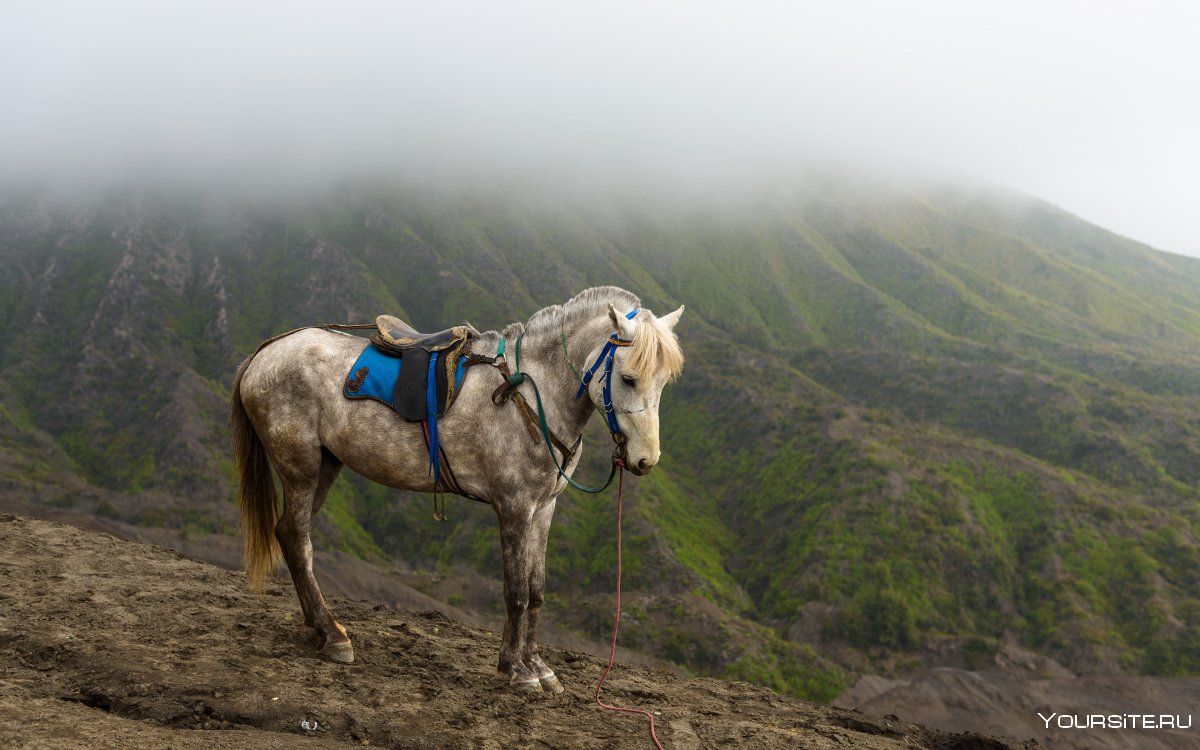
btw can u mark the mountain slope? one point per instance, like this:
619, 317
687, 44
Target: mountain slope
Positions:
914, 425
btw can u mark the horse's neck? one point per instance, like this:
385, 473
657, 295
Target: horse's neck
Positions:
557, 374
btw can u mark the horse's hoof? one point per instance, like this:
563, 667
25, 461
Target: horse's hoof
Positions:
530, 685
342, 652
551, 684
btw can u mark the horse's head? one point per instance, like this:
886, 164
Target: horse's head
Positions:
639, 372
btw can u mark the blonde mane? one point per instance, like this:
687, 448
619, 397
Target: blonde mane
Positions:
655, 349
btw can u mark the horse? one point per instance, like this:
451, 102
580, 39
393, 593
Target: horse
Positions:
289, 415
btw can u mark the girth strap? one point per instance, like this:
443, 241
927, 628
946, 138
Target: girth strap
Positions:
431, 418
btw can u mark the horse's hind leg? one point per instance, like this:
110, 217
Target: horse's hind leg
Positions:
306, 482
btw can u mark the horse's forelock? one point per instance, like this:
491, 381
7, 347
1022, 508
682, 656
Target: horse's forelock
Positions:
655, 349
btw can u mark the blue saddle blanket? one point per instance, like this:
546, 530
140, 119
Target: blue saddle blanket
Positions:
374, 375
422, 396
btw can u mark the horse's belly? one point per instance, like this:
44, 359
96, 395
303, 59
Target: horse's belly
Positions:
371, 439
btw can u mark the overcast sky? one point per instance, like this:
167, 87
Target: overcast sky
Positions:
1094, 106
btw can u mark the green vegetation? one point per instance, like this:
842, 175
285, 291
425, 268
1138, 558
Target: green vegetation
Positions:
338, 526
879, 617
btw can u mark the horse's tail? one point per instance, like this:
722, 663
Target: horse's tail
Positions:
257, 496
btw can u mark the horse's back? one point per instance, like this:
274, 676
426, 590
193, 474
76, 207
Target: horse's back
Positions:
292, 379
308, 361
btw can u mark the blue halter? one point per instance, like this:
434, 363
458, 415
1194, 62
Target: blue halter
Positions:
606, 357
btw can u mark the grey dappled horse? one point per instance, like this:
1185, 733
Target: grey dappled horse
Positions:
289, 413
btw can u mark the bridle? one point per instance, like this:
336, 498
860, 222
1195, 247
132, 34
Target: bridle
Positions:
508, 389
606, 356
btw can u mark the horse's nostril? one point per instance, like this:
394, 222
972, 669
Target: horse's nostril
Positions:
643, 466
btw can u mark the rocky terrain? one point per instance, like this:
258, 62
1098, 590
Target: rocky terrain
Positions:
1004, 700
106, 643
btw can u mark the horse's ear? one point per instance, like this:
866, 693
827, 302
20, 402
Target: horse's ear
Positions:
623, 325
670, 319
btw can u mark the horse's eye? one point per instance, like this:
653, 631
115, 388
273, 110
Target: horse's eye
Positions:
629, 380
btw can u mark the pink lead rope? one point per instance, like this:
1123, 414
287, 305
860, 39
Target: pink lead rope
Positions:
617, 622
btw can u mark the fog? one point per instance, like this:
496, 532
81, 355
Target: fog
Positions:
1089, 105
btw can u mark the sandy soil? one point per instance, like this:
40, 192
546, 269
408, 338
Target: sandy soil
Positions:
106, 643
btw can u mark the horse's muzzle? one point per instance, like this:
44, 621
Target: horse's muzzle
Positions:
641, 468
621, 457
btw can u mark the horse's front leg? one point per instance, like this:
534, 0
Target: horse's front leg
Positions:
517, 552
537, 588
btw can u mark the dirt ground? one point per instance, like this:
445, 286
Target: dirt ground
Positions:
106, 643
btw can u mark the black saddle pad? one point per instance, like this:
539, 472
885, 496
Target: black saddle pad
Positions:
410, 398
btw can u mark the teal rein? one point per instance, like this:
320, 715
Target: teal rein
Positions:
516, 379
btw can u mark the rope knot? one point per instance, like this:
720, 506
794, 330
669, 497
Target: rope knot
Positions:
505, 390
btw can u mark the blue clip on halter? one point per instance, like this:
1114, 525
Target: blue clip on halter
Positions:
606, 357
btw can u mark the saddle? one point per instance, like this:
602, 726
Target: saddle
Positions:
417, 374
397, 336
